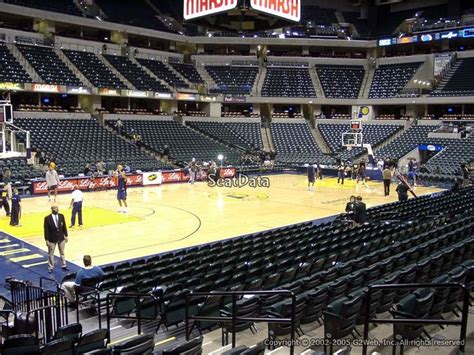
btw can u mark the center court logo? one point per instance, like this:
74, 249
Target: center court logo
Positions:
240, 181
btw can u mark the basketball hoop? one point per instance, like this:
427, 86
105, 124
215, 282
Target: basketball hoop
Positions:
351, 139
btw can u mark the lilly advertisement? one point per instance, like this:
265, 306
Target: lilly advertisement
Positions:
86, 183
109, 182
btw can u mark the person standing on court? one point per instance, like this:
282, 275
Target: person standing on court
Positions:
340, 173
193, 169
76, 205
122, 189
387, 180
412, 167
319, 172
311, 176
55, 234
16, 209
52, 180
361, 174
6, 195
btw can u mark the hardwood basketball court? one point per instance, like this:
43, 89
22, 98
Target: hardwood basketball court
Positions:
174, 216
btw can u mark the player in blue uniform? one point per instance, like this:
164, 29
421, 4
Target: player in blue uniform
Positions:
361, 172
16, 209
341, 173
311, 176
122, 189
412, 167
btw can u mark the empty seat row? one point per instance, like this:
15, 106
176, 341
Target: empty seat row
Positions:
295, 144
94, 70
10, 69
49, 66
341, 82
162, 71
188, 71
288, 82
136, 75
459, 83
404, 143
246, 135
183, 142
232, 80
324, 266
77, 142
390, 79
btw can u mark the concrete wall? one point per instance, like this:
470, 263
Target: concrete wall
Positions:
114, 116
84, 45
51, 115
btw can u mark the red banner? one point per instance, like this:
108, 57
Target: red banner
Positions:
227, 172
40, 187
173, 176
107, 182
85, 183
101, 182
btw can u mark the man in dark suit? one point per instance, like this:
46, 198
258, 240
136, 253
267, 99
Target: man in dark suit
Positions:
55, 233
360, 212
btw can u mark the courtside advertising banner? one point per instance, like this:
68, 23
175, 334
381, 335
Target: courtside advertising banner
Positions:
200, 8
41, 187
227, 172
155, 178
109, 182
86, 183
173, 176
287, 9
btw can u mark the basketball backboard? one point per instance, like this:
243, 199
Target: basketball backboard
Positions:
352, 139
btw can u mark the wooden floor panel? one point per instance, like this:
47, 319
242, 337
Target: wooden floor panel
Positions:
179, 215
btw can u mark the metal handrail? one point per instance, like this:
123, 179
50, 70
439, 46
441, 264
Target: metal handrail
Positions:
46, 324
27, 297
137, 317
233, 319
462, 322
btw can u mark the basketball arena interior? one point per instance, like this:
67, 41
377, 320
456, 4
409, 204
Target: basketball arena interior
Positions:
248, 177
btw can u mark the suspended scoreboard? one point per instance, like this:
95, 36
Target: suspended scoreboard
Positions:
356, 126
287, 9
243, 15
198, 8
